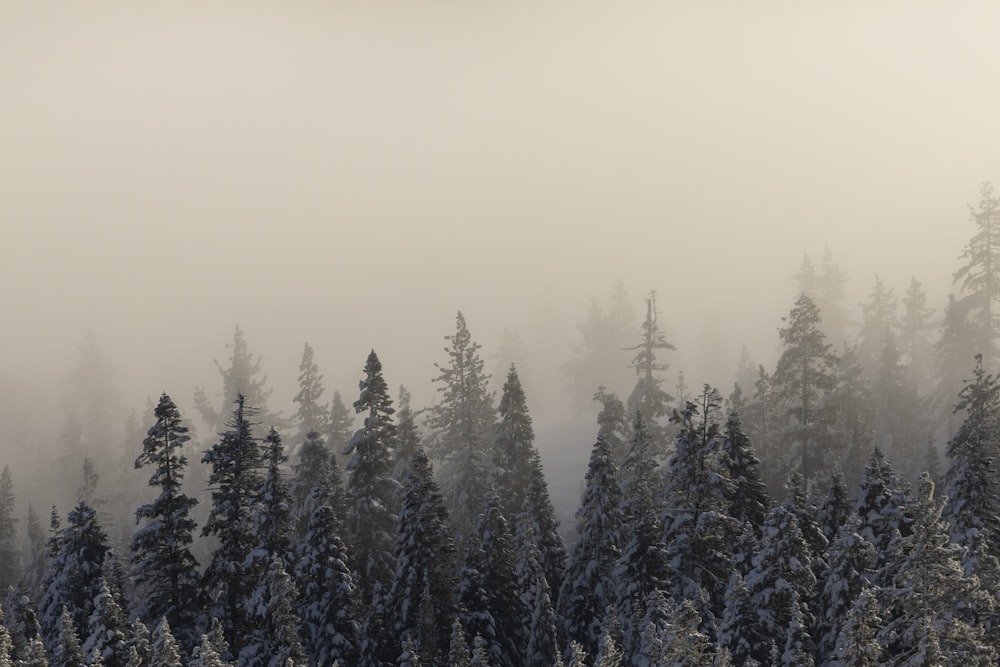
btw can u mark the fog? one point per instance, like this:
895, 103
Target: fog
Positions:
352, 174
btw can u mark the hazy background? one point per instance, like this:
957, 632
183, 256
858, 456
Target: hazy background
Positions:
351, 174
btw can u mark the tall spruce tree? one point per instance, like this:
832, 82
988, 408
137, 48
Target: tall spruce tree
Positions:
10, 549
312, 415
648, 396
424, 580
802, 377
236, 461
164, 570
371, 491
274, 640
462, 424
316, 469
588, 587
514, 445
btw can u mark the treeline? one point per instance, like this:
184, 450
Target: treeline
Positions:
767, 527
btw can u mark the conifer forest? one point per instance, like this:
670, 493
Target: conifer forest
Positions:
468, 334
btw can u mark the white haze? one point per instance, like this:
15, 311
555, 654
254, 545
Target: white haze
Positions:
353, 173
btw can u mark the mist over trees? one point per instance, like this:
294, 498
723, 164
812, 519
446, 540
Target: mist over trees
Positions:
836, 507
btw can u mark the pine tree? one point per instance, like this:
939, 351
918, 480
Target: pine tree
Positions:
458, 651
932, 590
73, 578
407, 437
740, 631
515, 439
36, 656
829, 299
972, 509
371, 491
317, 469
10, 551
274, 637
803, 375
328, 596
425, 564
236, 463
781, 582
341, 424
915, 330
858, 644
851, 559
686, 646
643, 565
273, 516
66, 650
311, 415
881, 504
409, 657
539, 623
648, 396
164, 569
239, 379
463, 429
613, 424
588, 587
538, 511
140, 644
166, 652
879, 325
480, 653
108, 630
980, 275
490, 601
745, 496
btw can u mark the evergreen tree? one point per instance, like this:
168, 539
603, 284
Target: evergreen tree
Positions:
10, 551
881, 504
458, 651
740, 631
829, 299
745, 496
463, 429
879, 325
686, 646
490, 601
931, 590
980, 275
613, 424
915, 331
648, 396
858, 644
66, 650
588, 587
328, 596
235, 477
409, 657
836, 508
36, 656
371, 491
851, 559
214, 648
539, 622
643, 565
73, 578
407, 437
140, 643
972, 509
164, 569
803, 376
166, 652
425, 564
480, 653
514, 446
312, 415
239, 379
317, 469
781, 582
275, 635
273, 516
108, 630
952, 352
763, 423
341, 424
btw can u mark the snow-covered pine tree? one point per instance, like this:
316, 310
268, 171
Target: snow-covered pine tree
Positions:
972, 509
458, 649
515, 444
745, 493
73, 577
341, 426
407, 437
66, 650
409, 657
235, 477
108, 630
980, 278
781, 577
850, 561
613, 424
213, 649
140, 643
462, 424
931, 589
643, 566
490, 602
166, 652
424, 580
686, 645
35, 655
858, 644
539, 621
881, 503
317, 468
372, 497
274, 637
311, 415
833, 513
540, 513
588, 587
164, 570
272, 518
740, 631
327, 595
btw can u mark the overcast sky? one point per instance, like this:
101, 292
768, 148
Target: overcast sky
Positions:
352, 173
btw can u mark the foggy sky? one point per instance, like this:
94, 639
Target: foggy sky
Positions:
352, 174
